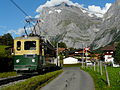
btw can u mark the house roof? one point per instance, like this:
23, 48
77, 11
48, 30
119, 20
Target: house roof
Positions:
109, 48
61, 49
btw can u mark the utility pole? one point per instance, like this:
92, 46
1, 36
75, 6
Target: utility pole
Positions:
83, 56
57, 54
86, 54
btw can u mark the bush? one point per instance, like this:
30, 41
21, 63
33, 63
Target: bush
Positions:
7, 74
6, 60
6, 64
34, 82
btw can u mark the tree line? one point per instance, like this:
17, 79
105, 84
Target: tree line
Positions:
117, 54
6, 59
6, 39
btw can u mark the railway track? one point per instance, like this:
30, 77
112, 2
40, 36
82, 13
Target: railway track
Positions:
13, 79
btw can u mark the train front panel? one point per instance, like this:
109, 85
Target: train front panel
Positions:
27, 54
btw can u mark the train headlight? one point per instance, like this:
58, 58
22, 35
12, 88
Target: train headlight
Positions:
33, 60
17, 61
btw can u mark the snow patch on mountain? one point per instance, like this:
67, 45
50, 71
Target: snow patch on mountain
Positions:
52, 3
59, 11
96, 10
50, 12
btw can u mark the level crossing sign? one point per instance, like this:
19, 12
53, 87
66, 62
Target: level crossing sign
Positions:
86, 49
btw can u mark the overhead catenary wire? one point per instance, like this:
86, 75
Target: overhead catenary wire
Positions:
20, 8
28, 21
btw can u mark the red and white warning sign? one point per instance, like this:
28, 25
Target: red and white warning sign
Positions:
87, 49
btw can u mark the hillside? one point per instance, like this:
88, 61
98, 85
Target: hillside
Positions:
69, 24
76, 26
2, 50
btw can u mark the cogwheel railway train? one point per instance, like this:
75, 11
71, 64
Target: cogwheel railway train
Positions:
33, 54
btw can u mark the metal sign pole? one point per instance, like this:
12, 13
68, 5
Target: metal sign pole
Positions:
83, 56
57, 53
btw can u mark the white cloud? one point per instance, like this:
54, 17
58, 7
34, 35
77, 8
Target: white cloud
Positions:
56, 2
37, 16
98, 10
20, 31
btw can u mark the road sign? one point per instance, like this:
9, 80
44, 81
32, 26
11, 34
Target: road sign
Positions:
86, 49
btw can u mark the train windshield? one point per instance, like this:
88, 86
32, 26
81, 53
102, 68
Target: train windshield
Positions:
30, 45
18, 45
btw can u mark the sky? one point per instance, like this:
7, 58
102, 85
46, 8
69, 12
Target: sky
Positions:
12, 20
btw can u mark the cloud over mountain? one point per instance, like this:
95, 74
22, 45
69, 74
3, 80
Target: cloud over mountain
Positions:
19, 31
97, 10
56, 2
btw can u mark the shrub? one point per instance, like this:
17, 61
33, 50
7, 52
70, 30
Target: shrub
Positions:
34, 82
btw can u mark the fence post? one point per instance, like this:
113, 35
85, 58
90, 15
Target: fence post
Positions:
101, 68
98, 66
107, 77
94, 66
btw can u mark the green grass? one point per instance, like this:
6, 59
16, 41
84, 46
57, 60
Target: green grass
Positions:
7, 74
72, 65
34, 83
2, 50
100, 80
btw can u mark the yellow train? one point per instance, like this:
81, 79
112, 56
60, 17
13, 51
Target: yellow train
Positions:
33, 54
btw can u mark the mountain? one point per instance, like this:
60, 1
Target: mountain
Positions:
70, 24
76, 26
110, 28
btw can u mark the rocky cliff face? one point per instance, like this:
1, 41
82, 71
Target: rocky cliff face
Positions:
110, 28
75, 25
69, 24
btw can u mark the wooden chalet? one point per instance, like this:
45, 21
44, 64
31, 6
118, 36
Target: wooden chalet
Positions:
80, 54
108, 52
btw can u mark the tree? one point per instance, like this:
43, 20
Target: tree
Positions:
117, 54
6, 39
72, 48
62, 45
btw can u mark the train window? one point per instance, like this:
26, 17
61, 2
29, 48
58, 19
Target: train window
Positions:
18, 45
30, 45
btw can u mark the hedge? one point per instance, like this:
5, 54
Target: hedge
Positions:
34, 82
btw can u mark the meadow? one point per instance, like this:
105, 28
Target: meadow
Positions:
6, 60
100, 80
2, 50
34, 83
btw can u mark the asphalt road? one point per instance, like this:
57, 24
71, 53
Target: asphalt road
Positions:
71, 79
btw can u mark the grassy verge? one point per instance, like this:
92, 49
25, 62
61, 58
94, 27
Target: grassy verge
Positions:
6, 59
72, 65
7, 74
34, 83
3, 51
100, 80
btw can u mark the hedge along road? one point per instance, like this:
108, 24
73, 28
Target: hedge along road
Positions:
71, 79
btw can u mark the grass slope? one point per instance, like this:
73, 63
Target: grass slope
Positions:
100, 80
34, 83
2, 50
7, 74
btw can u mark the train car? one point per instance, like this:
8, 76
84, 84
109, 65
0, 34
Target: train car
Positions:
33, 54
